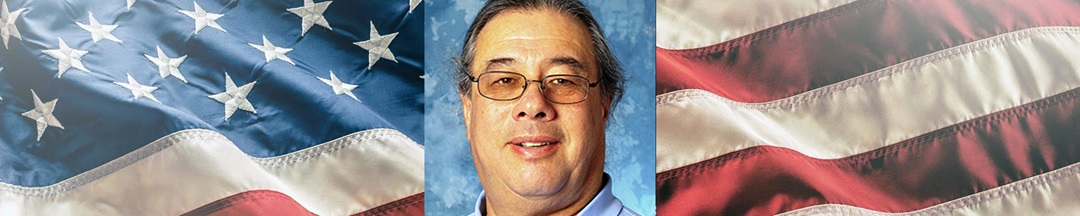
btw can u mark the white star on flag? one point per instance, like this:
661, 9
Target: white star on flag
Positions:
338, 86
413, 4
311, 14
42, 115
7, 23
272, 52
129, 3
167, 66
235, 98
138, 90
378, 46
99, 31
203, 19
66, 58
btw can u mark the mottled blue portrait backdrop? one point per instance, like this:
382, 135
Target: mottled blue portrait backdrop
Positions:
451, 183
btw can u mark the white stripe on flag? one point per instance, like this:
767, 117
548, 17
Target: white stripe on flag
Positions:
1052, 193
684, 25
877, 109
191, 168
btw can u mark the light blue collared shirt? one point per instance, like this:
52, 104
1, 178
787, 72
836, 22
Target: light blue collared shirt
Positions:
604, 204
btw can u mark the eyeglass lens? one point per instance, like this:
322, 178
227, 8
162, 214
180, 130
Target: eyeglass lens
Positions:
556, 88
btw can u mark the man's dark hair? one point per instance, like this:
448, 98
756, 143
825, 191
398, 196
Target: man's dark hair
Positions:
611, 72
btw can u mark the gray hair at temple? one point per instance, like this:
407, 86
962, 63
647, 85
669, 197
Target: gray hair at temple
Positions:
611, 72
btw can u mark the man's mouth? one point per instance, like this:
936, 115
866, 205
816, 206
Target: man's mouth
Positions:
534, 147
533, 141
534, 144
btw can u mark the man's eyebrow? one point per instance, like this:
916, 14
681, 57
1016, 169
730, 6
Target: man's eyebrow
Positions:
568, 61
499, 62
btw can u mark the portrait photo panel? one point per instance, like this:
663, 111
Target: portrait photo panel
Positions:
452, 182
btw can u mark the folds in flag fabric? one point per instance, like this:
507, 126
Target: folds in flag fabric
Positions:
143, 107
868, 107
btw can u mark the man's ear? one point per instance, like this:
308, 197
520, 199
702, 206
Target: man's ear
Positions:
607, 108
466, 105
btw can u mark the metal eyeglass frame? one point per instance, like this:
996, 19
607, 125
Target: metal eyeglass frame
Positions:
476, 80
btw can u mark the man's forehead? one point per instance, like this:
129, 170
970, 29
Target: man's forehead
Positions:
565, 60
545, 37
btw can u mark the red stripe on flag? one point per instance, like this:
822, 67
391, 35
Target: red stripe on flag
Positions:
846, 42
943, 165
412, 205
256, 202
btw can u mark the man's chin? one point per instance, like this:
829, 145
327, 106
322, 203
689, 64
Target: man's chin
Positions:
537, 184
536, 191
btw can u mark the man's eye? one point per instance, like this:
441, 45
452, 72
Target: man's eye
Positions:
561, 82
504, 81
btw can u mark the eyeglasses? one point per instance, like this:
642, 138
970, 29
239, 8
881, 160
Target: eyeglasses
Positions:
560, 89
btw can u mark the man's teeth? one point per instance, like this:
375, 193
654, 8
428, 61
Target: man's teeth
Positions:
534, 144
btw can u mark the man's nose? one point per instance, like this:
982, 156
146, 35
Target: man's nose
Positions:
533, 106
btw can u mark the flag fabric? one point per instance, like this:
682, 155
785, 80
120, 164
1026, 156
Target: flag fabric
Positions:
210, 107
868, 107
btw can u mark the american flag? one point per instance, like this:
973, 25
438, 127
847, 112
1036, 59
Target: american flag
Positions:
150, 107
868, 107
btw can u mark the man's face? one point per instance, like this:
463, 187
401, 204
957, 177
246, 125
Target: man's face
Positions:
536, 43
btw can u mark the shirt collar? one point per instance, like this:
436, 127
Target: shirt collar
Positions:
605, 203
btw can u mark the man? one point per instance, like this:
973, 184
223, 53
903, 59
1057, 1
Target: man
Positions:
537, 83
